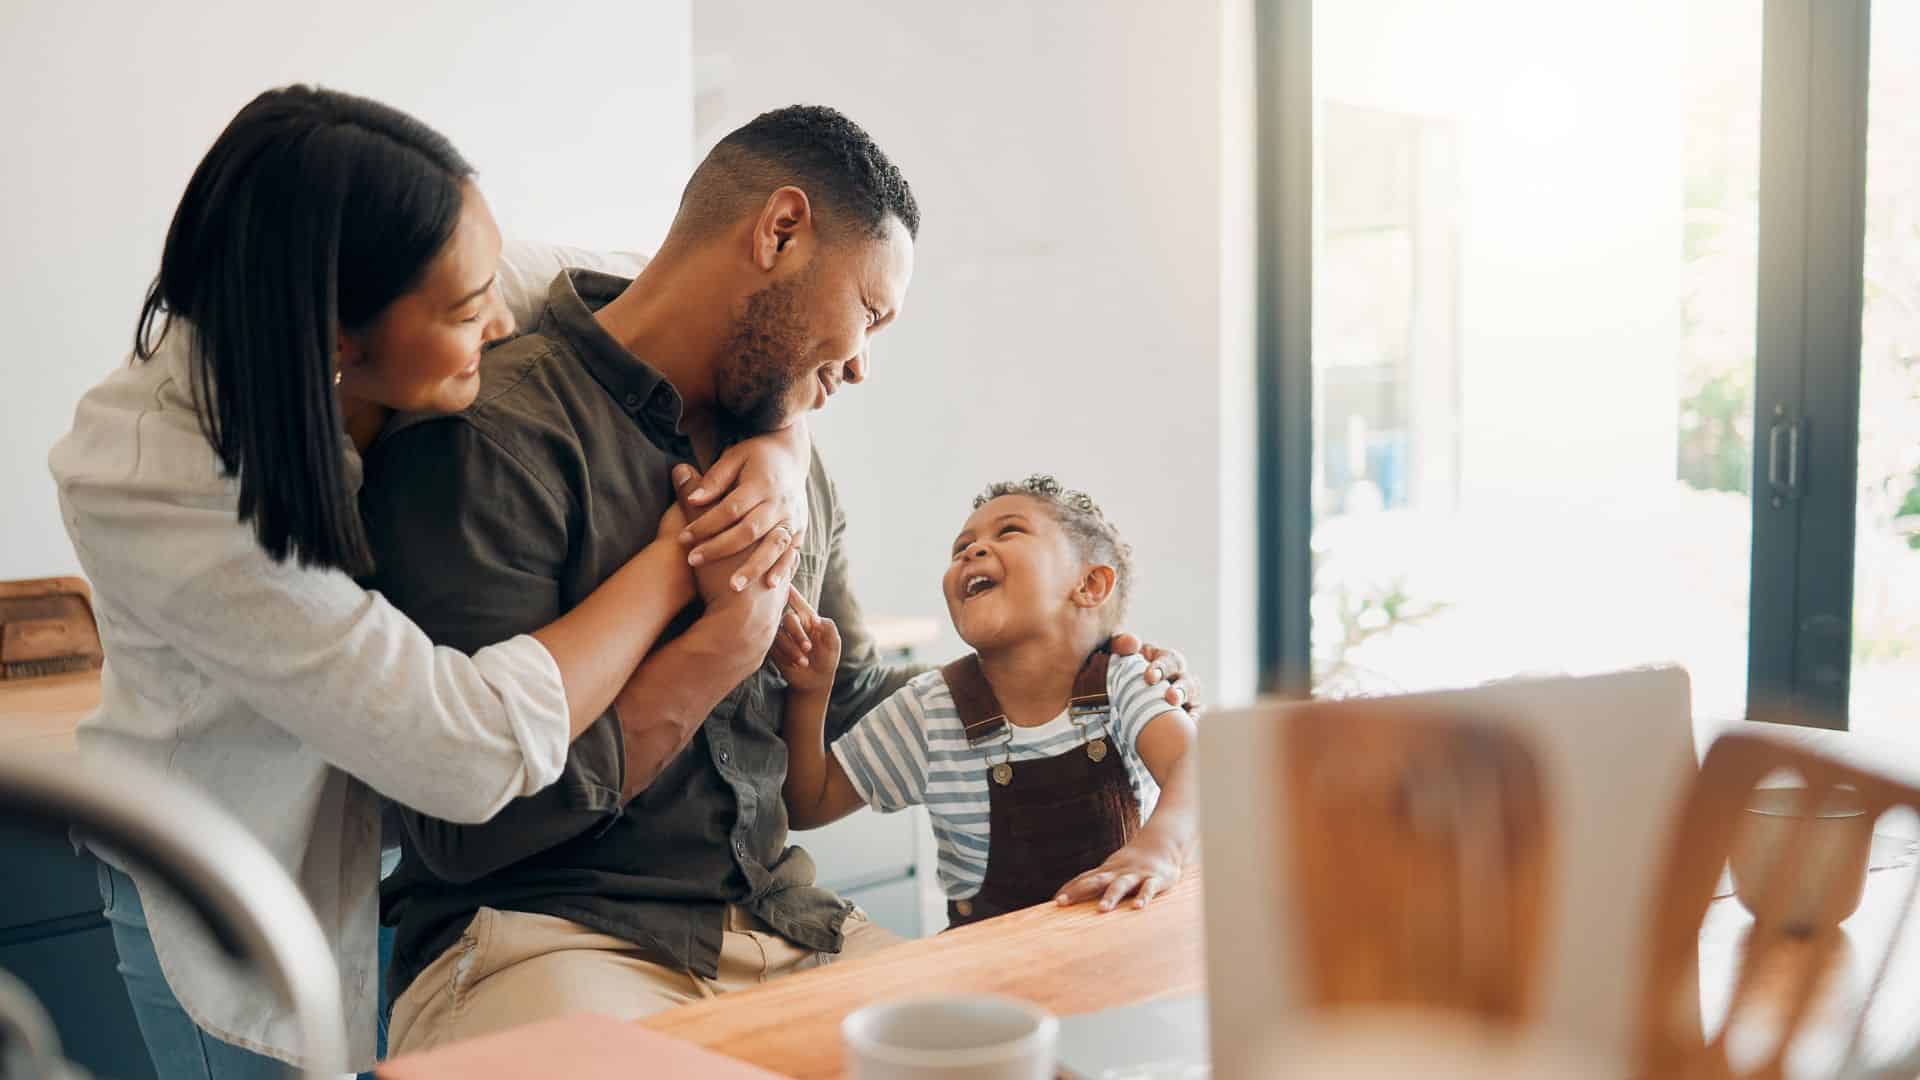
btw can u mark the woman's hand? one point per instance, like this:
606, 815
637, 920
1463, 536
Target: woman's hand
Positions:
807, 648
1147, 867
756, 494
1163, 665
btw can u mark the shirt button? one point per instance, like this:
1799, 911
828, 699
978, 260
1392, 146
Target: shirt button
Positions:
633, 401
725, 757
963, 907
740, 848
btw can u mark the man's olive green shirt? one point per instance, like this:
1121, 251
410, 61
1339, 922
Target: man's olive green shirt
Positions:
496, 521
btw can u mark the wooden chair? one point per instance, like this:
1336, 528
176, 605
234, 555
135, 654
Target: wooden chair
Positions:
1420, 859
1798, 901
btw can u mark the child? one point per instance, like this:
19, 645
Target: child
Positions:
1039, 755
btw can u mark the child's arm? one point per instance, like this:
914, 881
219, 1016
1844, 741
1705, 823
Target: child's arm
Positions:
1158, 854
807, 650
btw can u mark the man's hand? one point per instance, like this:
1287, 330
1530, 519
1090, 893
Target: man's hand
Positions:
754, 501
1163, 665
745, 623
1148, 866
807, 648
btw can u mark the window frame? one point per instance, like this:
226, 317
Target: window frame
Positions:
1812, 228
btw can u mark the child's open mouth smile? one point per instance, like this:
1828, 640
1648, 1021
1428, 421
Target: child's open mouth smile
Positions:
975, 585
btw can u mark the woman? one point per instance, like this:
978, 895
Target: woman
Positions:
330, 262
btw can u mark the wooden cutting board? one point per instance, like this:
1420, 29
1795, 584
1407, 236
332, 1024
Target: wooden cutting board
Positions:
47, 628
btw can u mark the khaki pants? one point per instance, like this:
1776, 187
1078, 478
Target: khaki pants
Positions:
512, 968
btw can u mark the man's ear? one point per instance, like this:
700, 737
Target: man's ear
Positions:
1095, 586
783, 228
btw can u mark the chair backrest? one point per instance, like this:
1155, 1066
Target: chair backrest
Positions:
184, 839
1614, 755
1799, 893
1421, 859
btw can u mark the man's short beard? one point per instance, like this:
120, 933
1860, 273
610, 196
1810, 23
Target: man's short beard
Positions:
764, 360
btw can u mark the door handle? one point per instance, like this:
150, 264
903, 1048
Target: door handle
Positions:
1783, 459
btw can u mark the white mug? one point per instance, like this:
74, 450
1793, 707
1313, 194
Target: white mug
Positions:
952, 1037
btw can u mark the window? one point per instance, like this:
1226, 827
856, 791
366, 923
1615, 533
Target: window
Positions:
1588, 363
1885, 681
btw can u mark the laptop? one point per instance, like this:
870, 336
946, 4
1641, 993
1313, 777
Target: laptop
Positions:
1157, 1040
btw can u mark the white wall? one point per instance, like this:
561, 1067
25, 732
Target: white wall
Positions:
577, 115
1066, 313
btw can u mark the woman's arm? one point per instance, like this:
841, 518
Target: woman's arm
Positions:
598, 645
318, 656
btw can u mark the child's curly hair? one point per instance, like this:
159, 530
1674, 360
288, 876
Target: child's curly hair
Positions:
1092, 535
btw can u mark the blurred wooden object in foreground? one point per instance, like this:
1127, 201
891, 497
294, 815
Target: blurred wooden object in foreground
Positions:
1781, 1008
1421, 860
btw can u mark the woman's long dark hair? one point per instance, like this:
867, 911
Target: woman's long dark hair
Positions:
313, 211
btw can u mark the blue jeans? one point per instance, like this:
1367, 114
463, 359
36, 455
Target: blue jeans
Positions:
179, 1048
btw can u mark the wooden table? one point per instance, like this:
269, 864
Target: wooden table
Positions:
1076, 961
1072, 960
39, 715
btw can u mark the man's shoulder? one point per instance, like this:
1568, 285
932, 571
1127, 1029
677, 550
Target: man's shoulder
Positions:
521, 411
510, 381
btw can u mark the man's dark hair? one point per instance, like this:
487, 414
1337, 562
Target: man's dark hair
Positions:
314, 210
848, 180
1094, 538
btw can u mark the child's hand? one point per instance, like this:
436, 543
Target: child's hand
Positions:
1146, 866
807, 648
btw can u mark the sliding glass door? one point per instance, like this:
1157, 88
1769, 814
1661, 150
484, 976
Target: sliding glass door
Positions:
1590, 381
1533, 332
1885, 677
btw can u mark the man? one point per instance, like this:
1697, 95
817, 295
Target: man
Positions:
656, 870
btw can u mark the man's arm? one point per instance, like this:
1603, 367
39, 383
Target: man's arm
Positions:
675, 689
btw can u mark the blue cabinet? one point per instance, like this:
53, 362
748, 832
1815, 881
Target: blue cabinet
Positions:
874, 860
54, 939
